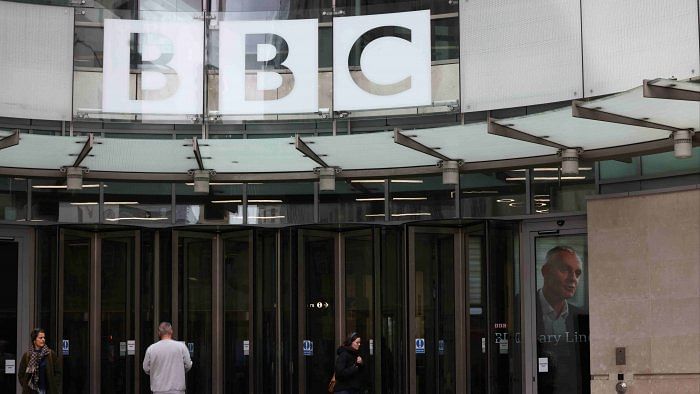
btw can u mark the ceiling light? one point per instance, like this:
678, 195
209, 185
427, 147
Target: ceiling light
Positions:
265, 217
121, 203
517, 178
450, 172
265, 201
411, 214
135, 218
569, 161
505, 200
410, 198
84, 203
480, 192
370, 199
406, 181
683, 143
89, 186
226, 201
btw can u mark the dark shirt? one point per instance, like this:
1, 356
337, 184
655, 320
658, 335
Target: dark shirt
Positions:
42, 371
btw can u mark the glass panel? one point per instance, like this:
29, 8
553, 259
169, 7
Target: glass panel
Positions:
476, 299
47, 284
419, 197
137, 202
52, 202
663, 163
13, 199
357, 200
265, 312
280, 202
165, 292
8, 311
445, 39
318, 256
195, 263
434, 313
222, 205
117, 325
555, 192
391, 349
562, 314
147, 301
289, 296
487, 194
236, 312
503, 345
76, 313
611, 169
359, 296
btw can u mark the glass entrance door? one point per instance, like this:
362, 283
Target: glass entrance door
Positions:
434, 256
75, 292
558, 307
9, 250
119, 340
318, 334
194, 259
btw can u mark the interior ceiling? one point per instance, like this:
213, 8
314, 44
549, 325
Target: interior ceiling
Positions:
634, 122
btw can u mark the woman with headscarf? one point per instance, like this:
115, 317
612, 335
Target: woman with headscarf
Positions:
40, 368
349, 366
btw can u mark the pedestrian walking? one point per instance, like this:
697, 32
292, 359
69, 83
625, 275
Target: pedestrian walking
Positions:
40, 368
167, 361
349, 366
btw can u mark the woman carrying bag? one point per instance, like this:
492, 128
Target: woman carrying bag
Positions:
349, 367
40, 368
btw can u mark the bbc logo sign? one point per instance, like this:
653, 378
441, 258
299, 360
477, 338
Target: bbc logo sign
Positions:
394, 65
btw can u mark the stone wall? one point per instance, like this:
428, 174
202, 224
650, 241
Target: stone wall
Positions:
644, 266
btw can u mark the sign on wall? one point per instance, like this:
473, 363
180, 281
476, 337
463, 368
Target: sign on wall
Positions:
394, 63
267, 67
169, 56
285, 67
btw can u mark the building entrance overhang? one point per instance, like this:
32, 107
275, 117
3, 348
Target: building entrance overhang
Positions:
613, 127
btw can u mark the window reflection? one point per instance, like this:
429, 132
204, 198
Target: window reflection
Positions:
137, 202
555, 192
421, 198
357, 200
498, 193
291, 202
51, 201
222, 205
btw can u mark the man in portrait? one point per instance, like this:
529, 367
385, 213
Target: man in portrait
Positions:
562, 328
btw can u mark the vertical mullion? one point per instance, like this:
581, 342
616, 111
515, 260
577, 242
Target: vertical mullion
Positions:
376, 236
59, 290
252, 341
410, 320
174, 284
95, 310
156, 283
301, 310
278, 310
137, 309
461, 324
217, 315
339, 288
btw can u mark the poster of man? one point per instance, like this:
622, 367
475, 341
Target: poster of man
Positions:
562, 323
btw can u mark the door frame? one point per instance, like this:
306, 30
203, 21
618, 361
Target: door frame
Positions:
529, 231
26, 284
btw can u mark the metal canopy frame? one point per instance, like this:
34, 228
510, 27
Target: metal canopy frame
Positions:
197, 153
304, 148
596, 113
87, 147
411, 143
10, 140
671, 89
507, 130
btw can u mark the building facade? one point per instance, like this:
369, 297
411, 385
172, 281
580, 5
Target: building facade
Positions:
498, 197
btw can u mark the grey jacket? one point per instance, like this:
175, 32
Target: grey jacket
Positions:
166, 361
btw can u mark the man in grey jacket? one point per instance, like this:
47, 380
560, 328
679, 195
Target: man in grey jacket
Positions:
166, 361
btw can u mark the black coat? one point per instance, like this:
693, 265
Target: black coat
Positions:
348, 374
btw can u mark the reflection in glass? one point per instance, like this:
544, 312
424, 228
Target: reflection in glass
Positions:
236, 311
357, 200
51, 201
488, 194
391, 352
420, 198
222, 205
476, 299
47, 283
148, 299
195, 307
435, 312
561, 314
117, 306
13, 198
554, 192
76, 313
290, 202
137, 203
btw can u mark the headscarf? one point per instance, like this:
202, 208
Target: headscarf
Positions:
35, 358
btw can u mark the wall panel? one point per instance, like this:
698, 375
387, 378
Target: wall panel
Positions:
36, 61
626, 41
516, 53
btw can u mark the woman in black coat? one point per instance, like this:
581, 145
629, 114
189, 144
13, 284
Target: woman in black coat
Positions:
349, 366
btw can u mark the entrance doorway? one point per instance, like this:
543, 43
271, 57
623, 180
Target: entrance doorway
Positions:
9, 266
